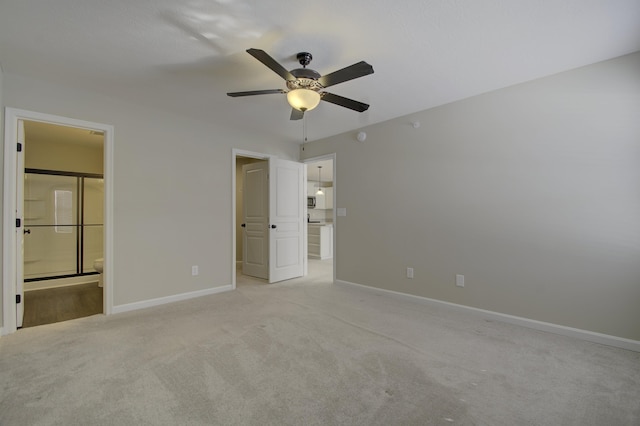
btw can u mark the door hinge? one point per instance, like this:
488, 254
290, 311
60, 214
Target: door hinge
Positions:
19, 147
18, 298
18, 222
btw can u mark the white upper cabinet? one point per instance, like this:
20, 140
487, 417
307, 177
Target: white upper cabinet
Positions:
312, 187
325, 201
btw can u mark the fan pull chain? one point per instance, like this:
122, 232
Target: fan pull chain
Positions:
304, 130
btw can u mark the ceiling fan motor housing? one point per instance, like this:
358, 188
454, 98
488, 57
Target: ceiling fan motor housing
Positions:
306, 78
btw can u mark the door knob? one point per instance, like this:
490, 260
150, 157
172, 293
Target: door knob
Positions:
244, 225
27, 231
273, 226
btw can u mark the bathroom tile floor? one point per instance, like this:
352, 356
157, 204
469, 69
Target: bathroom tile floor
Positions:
61, 304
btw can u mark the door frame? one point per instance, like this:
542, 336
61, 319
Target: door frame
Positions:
9, 237
235, 153
325, 157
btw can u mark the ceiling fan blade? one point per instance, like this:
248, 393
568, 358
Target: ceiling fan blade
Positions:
344, 102
296, 114
271, 63
345, 74
255, 92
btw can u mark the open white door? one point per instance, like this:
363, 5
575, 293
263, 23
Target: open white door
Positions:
255, 225
20, 226
286, 223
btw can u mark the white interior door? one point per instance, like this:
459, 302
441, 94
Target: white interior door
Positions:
255, 225
20, 229
286, 224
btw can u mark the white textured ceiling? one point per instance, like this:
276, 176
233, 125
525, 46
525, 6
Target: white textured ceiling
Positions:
185, 55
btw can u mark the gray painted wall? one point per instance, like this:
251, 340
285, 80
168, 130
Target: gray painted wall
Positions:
532, 192
172, 188
1, 178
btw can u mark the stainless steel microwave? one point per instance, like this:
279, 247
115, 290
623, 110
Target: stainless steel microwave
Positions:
311, 202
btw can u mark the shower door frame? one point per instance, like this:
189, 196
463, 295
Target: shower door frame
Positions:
10, 253
80, 226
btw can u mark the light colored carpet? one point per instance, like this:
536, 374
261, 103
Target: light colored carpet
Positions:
306, 352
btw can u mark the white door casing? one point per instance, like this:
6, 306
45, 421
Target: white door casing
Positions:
287, 190
19, 282
255, 233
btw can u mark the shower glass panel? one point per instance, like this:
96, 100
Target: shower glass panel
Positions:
93, 209
62, 224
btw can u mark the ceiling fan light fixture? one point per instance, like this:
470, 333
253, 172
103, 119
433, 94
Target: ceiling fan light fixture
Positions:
303, 99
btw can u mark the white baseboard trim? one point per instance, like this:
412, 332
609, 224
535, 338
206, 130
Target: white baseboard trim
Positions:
590, 336
168, 299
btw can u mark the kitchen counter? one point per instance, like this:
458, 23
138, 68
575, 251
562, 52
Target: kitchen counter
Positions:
320, 240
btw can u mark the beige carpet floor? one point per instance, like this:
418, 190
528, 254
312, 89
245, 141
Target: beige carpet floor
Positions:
306, 352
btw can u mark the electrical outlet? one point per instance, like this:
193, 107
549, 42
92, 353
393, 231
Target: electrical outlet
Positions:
409, 272
460, 280
194, 270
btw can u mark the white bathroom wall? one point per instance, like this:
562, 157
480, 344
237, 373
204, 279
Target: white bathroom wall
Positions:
70, 157
531, 192
172, 188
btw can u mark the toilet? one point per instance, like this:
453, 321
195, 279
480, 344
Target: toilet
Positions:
98, 265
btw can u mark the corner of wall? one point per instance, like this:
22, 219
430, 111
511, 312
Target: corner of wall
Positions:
1, 183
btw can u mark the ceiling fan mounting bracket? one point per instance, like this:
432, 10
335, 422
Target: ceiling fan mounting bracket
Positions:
304, 58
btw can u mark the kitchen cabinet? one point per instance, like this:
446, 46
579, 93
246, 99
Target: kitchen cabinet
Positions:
312, 187
325, 201
320, 241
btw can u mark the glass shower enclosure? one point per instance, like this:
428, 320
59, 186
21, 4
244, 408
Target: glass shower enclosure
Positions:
63, 224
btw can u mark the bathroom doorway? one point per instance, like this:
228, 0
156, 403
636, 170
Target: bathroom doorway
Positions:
63, 235
58, 213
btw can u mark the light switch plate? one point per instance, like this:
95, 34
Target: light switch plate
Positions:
342, 211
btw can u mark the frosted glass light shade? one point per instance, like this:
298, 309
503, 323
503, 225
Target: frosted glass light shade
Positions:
303, 99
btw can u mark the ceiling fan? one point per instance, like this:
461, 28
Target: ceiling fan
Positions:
306, 85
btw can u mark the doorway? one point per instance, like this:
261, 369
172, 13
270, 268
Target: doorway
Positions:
281, 245
321, 234
251, 243
51, 208
63, 229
